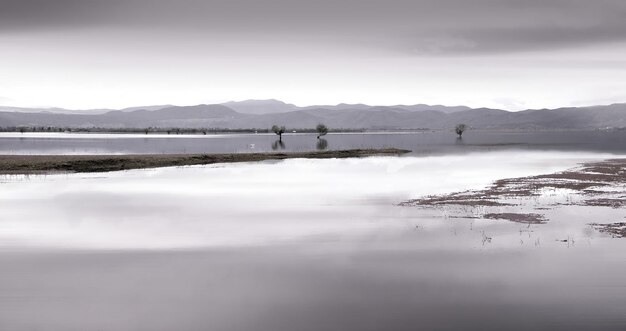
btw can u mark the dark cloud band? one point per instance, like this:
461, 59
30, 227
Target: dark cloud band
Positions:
414, 26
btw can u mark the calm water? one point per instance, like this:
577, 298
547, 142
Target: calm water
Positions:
419, 142
303, 245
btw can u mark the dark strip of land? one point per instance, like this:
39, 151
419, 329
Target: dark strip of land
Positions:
38, 164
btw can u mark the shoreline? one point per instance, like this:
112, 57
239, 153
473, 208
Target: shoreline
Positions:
46, 164
173, 132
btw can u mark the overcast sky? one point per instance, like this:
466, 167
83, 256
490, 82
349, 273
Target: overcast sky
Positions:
510, 54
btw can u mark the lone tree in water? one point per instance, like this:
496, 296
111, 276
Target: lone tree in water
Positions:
460, 128
322, 130
279, 131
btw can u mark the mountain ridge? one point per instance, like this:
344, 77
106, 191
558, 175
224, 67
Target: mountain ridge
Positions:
345, 116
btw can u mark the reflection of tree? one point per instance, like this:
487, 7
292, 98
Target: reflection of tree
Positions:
322, 144
278, 144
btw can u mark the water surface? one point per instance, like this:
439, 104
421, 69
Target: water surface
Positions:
426, 142
301, 245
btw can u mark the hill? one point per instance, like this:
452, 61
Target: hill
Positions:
263, 114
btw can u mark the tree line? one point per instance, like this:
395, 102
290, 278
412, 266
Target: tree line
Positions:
321, 130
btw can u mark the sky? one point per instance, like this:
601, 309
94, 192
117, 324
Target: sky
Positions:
508, 54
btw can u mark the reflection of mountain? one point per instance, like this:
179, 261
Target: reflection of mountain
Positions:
263, 114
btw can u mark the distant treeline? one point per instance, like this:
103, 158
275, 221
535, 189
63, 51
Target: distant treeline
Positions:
156, 130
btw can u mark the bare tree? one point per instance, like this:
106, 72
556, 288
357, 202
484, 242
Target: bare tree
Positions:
460, 128
278, 131
322, 130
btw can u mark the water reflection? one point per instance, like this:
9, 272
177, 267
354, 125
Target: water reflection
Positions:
136, 208
278, 144
322, 144
419, 142
260, 246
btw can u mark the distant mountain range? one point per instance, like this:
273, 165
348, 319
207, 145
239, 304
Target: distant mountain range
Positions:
262, 114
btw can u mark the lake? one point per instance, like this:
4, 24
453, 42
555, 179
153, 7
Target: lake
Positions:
428, 142
304, 244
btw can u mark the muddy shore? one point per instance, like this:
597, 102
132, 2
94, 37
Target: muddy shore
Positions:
527, 199
42, 164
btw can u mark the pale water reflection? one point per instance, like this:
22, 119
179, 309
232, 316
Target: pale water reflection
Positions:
247, 203
301, 245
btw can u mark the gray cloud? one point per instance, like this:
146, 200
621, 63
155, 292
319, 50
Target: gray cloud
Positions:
120, 53
504, 39
38, 15
413, 26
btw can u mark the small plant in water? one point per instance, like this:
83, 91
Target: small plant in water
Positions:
460, 128
486, 239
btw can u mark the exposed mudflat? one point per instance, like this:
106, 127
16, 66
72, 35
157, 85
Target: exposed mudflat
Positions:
516, 217
526, 199
36, 164
616, 230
